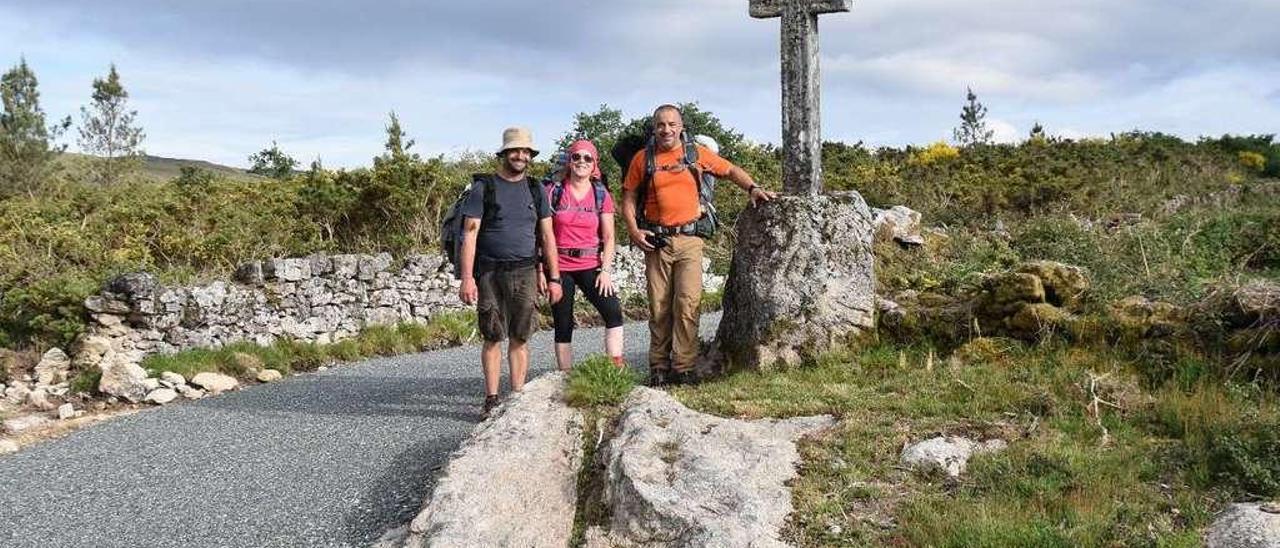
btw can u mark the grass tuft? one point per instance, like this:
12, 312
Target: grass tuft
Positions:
595, 381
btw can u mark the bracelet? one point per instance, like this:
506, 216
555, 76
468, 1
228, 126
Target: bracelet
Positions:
553, 280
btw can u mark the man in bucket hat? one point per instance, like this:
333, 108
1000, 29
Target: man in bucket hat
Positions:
506, 218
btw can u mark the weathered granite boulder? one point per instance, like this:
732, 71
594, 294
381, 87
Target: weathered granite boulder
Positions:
22, 423
1245, 525
176, 379
1035, 319
122, 377
269, 375
947, 453
214, 382
54, 367
16, 393
1064, 285
39, 399
514, 482
800, 281
161, 396
676, 477
1138, 317
900, 223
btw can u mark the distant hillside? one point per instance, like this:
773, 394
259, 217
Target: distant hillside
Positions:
163, 169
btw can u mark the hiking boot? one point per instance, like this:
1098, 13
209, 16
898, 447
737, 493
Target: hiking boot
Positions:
490, 402
657, 378
684, 378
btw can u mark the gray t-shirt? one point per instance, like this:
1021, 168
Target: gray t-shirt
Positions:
510, 232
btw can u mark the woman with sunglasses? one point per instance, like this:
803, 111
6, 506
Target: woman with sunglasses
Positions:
582, 218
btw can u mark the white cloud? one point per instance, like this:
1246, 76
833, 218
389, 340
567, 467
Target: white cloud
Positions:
1003, 132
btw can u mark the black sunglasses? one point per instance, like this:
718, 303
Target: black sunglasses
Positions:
581, 157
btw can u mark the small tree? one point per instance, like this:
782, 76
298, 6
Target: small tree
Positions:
1037, 135
27, 149
397, 144
272, 162
973, 126
107, 130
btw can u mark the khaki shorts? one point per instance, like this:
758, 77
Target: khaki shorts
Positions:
507, 305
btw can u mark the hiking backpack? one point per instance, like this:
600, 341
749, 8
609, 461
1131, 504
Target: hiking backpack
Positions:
626, 148
451, 227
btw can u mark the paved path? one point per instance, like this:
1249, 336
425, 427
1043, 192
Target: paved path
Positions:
333, 458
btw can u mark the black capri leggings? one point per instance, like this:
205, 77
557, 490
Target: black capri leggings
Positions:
562, 312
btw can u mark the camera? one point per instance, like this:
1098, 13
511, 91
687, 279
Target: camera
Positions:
658, 241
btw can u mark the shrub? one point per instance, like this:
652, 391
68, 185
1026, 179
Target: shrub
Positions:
1253, 160
936, 152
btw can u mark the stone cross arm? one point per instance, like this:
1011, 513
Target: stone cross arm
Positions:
764, 9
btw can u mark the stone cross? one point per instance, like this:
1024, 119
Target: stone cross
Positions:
801, 118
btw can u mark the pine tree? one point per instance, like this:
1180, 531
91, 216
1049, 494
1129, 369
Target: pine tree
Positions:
107, 130
397, 146
272, 162
973, 126
27, 149
1037, 135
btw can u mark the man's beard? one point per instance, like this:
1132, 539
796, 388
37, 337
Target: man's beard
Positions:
511, 168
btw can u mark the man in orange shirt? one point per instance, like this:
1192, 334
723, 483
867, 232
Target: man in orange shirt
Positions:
663, 226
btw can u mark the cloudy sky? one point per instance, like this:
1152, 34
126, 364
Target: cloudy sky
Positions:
220, 79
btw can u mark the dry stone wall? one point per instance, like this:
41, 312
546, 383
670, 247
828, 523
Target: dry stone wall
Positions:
320, 298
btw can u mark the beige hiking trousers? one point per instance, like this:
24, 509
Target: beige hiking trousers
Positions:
675, 289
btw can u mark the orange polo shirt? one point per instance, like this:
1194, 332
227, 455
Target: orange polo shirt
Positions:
673, 194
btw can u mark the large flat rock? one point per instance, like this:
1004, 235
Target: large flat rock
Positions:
514, 483
677, 477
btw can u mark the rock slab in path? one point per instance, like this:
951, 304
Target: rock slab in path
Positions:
1244, 526
514, 482
677, 477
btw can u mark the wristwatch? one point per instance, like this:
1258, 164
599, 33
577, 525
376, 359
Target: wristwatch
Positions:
553, 280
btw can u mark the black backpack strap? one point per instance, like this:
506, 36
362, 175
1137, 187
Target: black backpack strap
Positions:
489, 199
642, 190
535, 193
598, 188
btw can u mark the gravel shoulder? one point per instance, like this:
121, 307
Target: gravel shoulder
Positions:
332, 458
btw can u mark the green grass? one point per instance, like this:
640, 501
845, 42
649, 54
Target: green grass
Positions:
595, 381
1169, 457
448, 329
